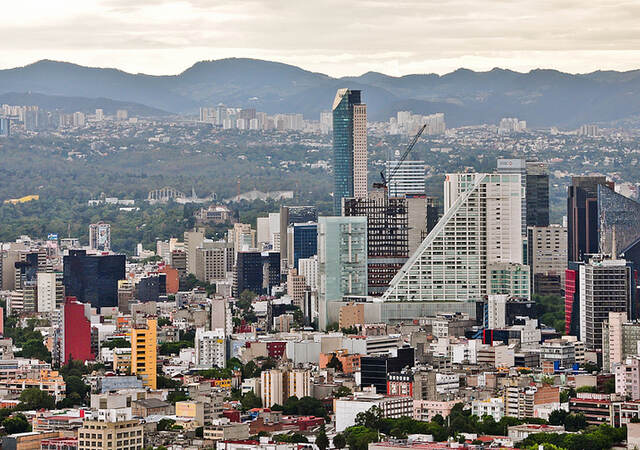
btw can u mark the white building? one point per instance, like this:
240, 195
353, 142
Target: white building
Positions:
408, 178
221, 315
210, 348
392, 407
46, 291
272, 384
299, 381
481, 226
308, 268
493, 407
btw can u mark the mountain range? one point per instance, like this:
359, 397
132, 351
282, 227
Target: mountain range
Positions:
541, 97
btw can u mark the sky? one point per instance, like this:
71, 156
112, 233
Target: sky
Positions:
339, 38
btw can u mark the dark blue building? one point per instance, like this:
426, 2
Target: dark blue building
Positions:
93, 278
305, 241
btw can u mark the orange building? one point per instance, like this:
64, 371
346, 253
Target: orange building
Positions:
350, 363
546, 394
351, 315
173, 279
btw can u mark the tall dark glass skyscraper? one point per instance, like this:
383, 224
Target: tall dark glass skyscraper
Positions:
537, 194
582, 217
349, 147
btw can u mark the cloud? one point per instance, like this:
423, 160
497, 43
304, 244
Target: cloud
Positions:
331, 36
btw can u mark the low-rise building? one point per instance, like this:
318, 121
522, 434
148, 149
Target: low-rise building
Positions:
391, 407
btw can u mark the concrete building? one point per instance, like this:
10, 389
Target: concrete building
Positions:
547, 254
351, 315
272, 384
619, 339
493, 407
116, 435
144, 351
210, 348
221, 316
308, 268
627, 376
192, 241
299, 383
481, 226
296, 286
391, 407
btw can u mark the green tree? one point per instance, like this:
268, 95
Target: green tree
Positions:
342, 391
372, 419
16, 424
339, 441
245, 300
165, 424
250, 400
359, 437
34, 398
116, 343
292, 438
588, 389
322, 441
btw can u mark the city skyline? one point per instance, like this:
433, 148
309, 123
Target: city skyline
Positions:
395, 38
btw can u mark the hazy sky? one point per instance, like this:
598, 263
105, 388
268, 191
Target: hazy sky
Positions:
347, 37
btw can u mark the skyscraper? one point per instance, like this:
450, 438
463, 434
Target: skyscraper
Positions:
349, 146
408, 178
387, 235
77, 332
342, 262
537, 194
481, 226
582, 217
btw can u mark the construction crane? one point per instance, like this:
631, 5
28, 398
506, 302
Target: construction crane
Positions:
386, 181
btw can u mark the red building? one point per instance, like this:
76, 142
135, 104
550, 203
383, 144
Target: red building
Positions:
77, 332
276, 349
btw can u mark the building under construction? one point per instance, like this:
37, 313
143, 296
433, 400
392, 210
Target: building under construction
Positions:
387, 235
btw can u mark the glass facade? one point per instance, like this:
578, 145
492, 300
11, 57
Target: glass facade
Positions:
93, 279
305, 241
342, 260
343, 145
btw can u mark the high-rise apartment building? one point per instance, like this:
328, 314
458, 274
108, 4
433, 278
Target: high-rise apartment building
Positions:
272, 385
299, 383
296, 286
387, 236
221, 315
50, 291
481, 226
408, 178
210, 348
144, 351
342, 262
620, 339
100, 236
349, 146
547, 248
308, 268
605, 286
76, 343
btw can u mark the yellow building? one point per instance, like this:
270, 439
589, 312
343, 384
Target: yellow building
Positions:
118, 435
122, 360
144, 350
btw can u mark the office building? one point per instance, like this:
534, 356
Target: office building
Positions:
100, 236
76, 333
349, 147
308, 268
605, 287
547, 248
243, 237
248, 273
213, 261
387, 236
302, 242
374, 370
144, 350
508, 278
192, 241
210, 348
408, 178
618, 231
287, 217
481, 226
582, 217
93, 278
271, 273
342, 262
537, 194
